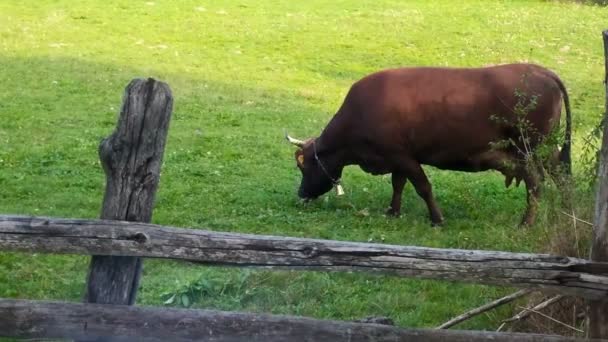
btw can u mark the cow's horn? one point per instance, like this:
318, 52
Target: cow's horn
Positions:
294, 141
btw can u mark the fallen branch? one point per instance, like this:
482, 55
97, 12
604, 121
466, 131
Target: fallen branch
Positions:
472, 313
525, 313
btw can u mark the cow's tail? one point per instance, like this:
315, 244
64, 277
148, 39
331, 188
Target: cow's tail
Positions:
565, 155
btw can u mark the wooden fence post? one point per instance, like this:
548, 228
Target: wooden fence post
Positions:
598, 310
131, 159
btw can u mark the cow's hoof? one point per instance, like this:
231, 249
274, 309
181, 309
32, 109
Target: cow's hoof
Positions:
392, 212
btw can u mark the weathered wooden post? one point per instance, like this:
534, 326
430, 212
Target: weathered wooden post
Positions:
598, 310
131, 159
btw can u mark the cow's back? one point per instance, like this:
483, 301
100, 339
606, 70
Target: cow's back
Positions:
442, 115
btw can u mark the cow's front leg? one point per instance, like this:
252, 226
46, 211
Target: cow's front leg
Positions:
398, 181
415, 174
532, 196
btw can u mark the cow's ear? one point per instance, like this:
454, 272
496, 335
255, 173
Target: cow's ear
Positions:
300, 159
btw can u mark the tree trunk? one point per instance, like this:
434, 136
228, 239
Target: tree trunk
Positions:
598, 309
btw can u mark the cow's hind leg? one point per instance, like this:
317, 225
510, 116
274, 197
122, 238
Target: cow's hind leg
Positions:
398, 181
532, 195
532, 178
415, 174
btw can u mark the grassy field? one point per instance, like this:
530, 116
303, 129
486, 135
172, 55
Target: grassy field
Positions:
241, 72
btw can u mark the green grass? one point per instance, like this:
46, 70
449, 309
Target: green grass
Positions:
241, 72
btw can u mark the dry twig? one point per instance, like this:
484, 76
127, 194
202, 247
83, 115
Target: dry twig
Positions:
527, 312
484, 308
553, 319
577, 219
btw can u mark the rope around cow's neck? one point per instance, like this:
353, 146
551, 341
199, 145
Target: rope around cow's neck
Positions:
335, 182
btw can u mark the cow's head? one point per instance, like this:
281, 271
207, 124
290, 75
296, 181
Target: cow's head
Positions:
320, 169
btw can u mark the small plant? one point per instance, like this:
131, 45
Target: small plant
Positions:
233, 288
564, 214
590, 158
534, 151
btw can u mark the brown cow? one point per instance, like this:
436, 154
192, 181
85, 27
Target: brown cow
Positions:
396, 120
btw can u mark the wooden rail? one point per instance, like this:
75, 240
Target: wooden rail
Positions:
559, 274
117, 323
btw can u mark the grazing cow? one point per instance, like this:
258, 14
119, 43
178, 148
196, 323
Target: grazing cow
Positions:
396, 120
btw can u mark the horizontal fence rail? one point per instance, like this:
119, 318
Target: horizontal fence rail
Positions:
546, 272
117, 323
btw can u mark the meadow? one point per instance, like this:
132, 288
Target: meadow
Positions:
241, 73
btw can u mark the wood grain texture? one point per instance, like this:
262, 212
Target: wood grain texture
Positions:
131, 158
540, 271
118, 323
598, 309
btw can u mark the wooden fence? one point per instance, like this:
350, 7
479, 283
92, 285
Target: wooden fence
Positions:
131, 158
565, 275
37, 319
